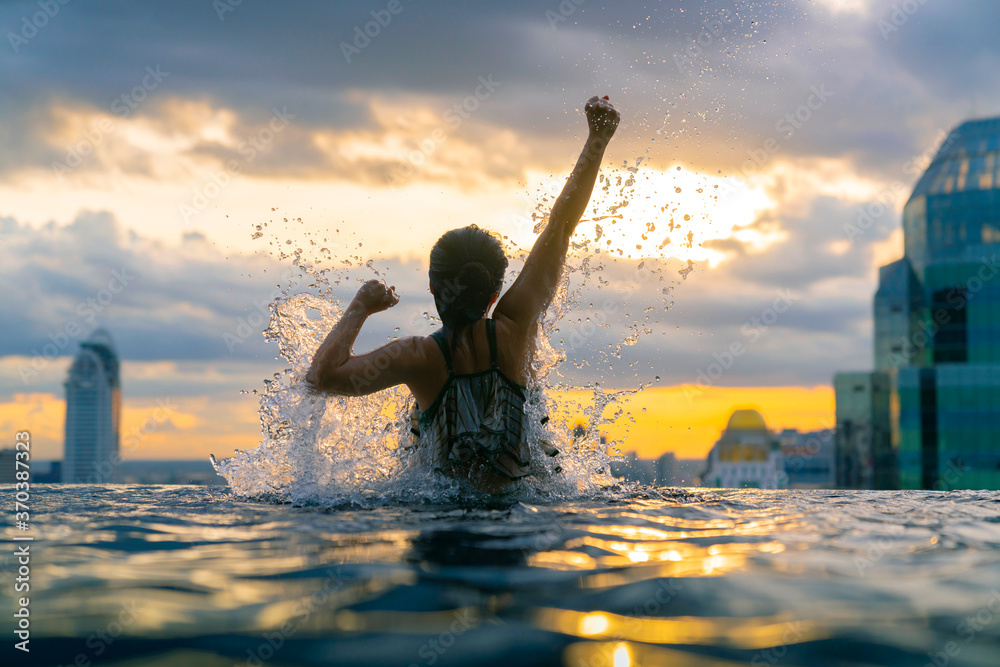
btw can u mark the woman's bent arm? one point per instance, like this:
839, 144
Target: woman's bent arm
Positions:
335, 371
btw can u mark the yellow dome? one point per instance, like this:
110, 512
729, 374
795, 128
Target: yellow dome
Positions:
746, 420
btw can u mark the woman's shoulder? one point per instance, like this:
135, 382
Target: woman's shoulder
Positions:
418, 348
505, 326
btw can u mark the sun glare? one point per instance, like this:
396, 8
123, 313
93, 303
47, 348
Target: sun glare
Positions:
654, 213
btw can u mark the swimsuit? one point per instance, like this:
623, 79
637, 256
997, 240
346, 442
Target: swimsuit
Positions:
477, 416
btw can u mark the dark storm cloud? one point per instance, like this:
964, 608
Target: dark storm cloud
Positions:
950, 47
733, 70
160, 302
728, 82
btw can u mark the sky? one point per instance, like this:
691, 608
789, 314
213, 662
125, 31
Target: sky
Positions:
166, 168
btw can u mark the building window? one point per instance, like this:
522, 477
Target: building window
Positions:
951, 340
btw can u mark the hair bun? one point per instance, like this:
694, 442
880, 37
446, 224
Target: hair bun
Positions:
474, 276
466, 270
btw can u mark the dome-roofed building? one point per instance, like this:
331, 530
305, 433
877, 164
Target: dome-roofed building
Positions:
955, 207
746, 456
929, 416
746, 420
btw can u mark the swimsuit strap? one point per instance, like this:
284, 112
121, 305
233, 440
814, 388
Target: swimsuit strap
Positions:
441, 338
491, 335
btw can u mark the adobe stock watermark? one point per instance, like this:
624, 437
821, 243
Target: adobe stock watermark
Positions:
363, 35
563, 11
248, 149
87, 310
259, 316
97, 643
793, 634
750, 333
805, 454
877, 549
544, 539
48, 9
273, 641
899, 16
666, 591
957, 299
950, 477
870, 213
711, 31
967, 631
122, 106
452, 119
638, 278
524, 220
223, 7
432, 649
787, 126
105, 471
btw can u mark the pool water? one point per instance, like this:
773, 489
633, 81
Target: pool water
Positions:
158, 575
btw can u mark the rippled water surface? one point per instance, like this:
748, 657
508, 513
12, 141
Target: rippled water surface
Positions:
147, 575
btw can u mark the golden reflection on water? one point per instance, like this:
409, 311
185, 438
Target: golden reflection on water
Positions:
654, 552
627, 654
622, 656
697, 529
742, 633
669, 559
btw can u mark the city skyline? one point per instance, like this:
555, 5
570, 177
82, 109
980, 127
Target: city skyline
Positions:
780, 199
927, 416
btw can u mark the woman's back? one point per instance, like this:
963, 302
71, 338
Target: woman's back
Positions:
475, 424
483, 367
470, 353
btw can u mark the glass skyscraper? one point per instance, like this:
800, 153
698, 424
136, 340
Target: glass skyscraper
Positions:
937, 321
93, 407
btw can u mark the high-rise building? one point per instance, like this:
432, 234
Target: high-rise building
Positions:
634, 469
865, 456
93, 407
809, 459
937, 327
8, 466
666, 466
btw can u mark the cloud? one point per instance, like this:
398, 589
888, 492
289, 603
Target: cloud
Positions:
890, 95
191, 304
161, 302
755, 65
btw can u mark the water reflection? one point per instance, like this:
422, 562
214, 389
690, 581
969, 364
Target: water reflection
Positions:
459, 547
716, 579
627, 654
742, 633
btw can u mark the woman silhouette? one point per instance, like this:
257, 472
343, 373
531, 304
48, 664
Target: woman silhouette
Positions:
469, 377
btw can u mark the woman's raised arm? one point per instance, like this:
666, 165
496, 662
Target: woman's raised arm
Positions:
534, 288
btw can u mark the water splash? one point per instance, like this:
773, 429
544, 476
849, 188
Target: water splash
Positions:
333, 451
336, 450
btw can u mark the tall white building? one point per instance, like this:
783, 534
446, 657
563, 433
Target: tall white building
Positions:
93, 407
